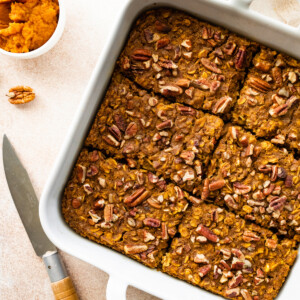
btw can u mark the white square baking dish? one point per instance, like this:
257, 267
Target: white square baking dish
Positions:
234, 15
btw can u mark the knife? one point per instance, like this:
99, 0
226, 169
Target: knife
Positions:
27, 205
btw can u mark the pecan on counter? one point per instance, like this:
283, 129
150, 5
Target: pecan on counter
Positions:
130, 210
222, 253
20, 95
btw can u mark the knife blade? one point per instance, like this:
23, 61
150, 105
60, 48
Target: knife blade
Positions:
27, 205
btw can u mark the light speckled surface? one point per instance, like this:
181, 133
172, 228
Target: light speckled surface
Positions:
38, 129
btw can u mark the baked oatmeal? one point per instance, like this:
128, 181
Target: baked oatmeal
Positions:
222, 253
132, 211
270, 95
257, 180
193, 62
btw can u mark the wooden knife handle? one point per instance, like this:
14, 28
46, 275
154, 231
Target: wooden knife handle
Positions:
64, 289
61, 283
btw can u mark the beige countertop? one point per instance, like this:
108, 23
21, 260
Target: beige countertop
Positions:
38, 129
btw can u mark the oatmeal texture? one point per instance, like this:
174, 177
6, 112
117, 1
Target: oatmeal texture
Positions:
32, 24
191, 165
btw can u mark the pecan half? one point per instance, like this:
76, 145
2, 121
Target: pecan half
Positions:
20, 95
115, 131
277, 203
201, 229
151, 222
241, 189
259, 84
135, 249
211, 66
249, 236
109, 139
221, 105
240, 58
162, 43
120, 121
137, 197
131, 131
141, 54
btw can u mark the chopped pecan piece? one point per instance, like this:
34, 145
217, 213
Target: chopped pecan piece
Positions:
171, 90
164, 125
204, 270
216, 185
201, 229
151, 222
76, 203
135, 249
131, 131
211, 66
108, 212
200, 258
88, 189
249, 236
81, 173
232, 293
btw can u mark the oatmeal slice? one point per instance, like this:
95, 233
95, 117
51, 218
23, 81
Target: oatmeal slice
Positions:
130, 210
187, 60
270, 95
222, 253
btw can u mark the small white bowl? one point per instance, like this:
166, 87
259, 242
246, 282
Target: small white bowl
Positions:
50, 43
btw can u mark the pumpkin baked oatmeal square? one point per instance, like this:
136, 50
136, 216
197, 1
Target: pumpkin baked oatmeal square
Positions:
133, 124
132, 211
224, 254
256, 180
270, 95
186, 159
187, 60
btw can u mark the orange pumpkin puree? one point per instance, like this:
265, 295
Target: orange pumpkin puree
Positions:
32, 24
